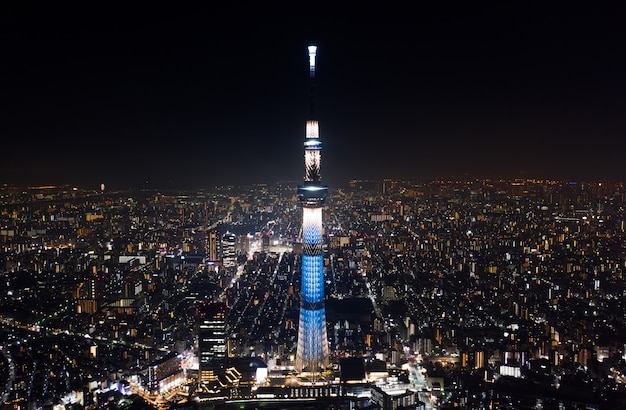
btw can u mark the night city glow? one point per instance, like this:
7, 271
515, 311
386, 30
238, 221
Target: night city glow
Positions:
160, 247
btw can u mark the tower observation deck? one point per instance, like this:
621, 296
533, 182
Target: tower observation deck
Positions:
312, 352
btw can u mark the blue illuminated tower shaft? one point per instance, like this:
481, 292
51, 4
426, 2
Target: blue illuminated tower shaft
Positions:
312, 353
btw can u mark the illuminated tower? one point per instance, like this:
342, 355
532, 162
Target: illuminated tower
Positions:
312, 354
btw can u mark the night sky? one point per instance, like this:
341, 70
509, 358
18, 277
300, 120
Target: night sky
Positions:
136, 96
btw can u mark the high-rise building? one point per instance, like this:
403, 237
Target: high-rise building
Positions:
312, 351
211, 338
215, 246
229, 257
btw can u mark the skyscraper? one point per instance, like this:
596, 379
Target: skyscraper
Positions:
312, 351
214, 246
211, 337
229, 256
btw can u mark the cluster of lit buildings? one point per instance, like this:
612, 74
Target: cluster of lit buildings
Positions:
478, 286
381, 295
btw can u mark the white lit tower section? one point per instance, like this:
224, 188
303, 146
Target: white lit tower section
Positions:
312, 353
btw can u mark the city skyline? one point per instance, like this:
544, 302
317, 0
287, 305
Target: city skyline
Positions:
394, 291
190, 98
513, 290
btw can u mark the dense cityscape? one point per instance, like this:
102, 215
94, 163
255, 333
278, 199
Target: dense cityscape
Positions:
392, 291
439, 294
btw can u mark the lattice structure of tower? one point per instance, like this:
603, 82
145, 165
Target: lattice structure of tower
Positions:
312, 353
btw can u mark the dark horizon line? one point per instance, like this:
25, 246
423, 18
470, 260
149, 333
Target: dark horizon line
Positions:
295, 183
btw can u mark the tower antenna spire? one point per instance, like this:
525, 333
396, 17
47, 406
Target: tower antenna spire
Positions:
312, 57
